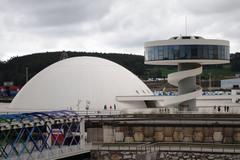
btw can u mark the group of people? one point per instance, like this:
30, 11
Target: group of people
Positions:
114, 107
221, 108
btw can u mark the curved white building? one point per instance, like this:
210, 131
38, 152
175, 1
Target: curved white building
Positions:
189, 53
99, 84
77, 83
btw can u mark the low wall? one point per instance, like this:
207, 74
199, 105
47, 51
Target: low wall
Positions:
110, 134
94, 134
120, 155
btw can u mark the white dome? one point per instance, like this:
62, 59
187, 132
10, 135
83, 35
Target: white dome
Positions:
80, 80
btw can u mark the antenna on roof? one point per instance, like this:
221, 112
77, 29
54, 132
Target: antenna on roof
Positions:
186, 25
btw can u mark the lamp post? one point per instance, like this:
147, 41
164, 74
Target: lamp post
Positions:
210, 81
87, 107
110, 110
78, 105
26, 74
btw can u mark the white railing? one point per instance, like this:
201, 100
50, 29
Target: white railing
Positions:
55, 152
100, 112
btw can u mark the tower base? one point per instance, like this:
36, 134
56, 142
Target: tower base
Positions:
187, 85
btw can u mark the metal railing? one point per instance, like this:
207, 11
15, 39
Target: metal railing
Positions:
99, 113
56, 153
42, 135
174, 147
156, 111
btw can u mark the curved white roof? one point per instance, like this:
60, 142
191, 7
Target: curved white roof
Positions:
191, 41
79, 82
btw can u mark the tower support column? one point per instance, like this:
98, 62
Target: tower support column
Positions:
187, 85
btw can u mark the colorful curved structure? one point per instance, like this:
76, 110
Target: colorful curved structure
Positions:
41, 135
189, 53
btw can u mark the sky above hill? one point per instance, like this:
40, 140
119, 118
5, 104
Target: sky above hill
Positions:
29, 26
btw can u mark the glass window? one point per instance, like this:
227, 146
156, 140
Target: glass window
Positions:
160, 50
200, 51
194, 53
182, 54
215, 53
188, 52
205, 52
223, 52
151, 52
176, 52
210, 50
165, 52
219, 51
146, 53
172, 52
155, 53
149, 56
227, 55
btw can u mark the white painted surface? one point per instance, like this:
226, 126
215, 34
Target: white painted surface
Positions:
163, 100
176, 62
74, 82
4, 107
229, 83
173, 79
186, 42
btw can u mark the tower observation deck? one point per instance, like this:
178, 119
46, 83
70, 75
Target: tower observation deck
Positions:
189, 53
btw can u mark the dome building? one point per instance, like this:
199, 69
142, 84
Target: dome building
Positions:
96, 84
80, 82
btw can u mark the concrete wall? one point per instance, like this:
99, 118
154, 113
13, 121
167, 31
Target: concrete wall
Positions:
108, 134
94, 135
226, 135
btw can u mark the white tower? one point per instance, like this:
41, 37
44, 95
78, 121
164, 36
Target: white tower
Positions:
189, 53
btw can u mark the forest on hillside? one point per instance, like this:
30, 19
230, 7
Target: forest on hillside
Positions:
14, 69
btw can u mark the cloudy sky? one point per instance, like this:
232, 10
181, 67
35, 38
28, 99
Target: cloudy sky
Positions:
29, 26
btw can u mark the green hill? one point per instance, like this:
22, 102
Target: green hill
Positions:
14, 68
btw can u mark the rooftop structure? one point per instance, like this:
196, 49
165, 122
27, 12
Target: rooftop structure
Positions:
230, 83
189, 53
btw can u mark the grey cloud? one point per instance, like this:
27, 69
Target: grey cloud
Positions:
210, 6
48, 13
29, 26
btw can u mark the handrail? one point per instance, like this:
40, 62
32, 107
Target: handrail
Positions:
175, 78
170, 146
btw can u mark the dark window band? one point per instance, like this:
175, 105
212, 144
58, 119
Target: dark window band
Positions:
175, 52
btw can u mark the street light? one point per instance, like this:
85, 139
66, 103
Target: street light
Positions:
26, 74
87, 107
210, 81
78, 105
